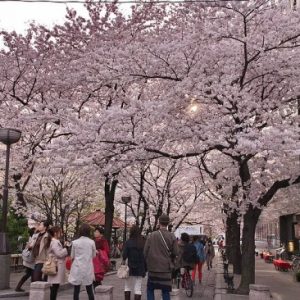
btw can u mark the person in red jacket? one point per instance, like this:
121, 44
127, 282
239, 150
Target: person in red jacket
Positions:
101, 260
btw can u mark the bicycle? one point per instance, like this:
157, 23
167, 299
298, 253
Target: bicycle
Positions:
186, 282
295, 263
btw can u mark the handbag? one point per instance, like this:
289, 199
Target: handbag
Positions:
50, 267
27, 256
68, 263
123, 272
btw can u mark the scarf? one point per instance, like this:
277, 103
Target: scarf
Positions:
36, 247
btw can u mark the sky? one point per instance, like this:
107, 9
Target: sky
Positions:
16, 15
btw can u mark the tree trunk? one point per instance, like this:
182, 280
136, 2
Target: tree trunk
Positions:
109, 189
233, 249
21, 203
248, 249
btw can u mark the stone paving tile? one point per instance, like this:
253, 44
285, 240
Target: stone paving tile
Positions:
203, 291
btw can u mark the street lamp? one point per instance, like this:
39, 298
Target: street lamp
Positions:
125, 200
139, 218
8, 136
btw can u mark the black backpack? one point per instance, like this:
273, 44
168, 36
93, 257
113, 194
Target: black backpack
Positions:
189, 254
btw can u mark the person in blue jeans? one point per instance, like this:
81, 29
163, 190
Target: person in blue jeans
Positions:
160, 252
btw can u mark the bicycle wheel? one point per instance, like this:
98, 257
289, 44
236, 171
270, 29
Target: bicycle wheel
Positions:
189, 287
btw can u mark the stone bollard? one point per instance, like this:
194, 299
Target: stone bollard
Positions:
5, 262
104, 292
259, 292
174, 294
39, 290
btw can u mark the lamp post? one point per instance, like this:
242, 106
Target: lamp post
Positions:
125, 200
139, 219
8, 136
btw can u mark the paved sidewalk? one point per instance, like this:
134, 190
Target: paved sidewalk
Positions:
203, 291
282, 284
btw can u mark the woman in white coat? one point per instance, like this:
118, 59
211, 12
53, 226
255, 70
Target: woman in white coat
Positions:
59, 253
82, 269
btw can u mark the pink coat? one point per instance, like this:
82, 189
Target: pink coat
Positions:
56, 250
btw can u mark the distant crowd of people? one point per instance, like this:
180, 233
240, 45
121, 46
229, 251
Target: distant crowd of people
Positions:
161, 256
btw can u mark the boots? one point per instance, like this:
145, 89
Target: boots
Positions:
127, 295
137, 297
21, 282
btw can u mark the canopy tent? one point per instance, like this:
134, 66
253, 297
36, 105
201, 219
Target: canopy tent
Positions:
97, 218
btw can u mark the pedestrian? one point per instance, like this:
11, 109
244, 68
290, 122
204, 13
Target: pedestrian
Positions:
160, 252
133, 252
101, 261
201, 258
100, 240
40, 248
209, 253
82, 270
187, 254
220, 245
28, 262
59, 253
115, 252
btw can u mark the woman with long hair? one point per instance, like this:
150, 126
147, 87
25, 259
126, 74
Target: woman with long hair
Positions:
59, 253
82, 269
133, 252
39, 250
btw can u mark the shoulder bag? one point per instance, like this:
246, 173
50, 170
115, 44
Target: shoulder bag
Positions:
168, 249
50, 266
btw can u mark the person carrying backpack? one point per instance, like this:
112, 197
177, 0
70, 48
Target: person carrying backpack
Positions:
187, 257
201, 258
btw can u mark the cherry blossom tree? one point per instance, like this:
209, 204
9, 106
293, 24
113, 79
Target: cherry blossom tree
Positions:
61, 196
176, 81
161, 186
242, 82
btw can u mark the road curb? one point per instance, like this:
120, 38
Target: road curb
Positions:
12, 294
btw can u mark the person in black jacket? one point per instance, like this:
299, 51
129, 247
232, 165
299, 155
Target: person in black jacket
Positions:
133, 252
